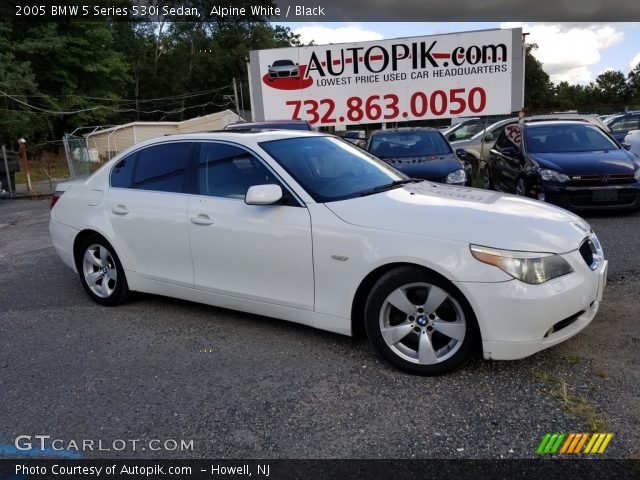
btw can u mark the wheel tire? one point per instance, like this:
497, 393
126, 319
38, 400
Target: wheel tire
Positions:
412, 338
521, 187
101, 272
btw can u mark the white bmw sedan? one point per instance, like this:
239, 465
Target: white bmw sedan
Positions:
306, 227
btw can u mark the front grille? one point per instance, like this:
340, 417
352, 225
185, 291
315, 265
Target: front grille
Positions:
595, 180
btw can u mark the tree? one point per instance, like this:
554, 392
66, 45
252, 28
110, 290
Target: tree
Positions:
611, 88
538, 89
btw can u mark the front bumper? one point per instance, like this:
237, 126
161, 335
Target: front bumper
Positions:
517, 320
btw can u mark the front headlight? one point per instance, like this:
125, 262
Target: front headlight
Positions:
528, 267
459, 176
637, 175
553, 176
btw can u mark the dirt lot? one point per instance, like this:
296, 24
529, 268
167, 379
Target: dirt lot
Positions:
247, 386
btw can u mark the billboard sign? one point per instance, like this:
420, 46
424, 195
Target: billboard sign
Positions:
438, 76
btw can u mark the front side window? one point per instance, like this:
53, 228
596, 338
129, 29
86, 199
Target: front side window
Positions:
228, 171
624, 125
330, 169
163, 167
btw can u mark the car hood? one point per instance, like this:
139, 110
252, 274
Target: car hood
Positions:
467, 215
594, 163
435, 166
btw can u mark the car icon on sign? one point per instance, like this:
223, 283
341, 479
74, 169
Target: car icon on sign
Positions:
283, 69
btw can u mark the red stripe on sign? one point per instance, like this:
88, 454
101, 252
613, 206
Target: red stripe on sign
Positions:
460, 55
336, 62
375, 57
348, 60
324, 64
441, 55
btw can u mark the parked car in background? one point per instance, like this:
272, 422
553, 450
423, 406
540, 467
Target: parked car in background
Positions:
283, 69
632, 140
271, 125
464, 129
575, 165
479, 146
621, 125
357, 137
419, 153
308, 228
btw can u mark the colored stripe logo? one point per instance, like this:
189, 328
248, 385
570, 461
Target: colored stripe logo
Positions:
574, 443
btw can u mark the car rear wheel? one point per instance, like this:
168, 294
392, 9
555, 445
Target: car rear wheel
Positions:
101, 272
420, 323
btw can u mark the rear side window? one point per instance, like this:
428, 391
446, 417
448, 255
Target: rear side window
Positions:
163, 168
123, 171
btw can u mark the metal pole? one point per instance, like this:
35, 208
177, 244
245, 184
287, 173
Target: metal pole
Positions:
235, 96
25, 162
6, 169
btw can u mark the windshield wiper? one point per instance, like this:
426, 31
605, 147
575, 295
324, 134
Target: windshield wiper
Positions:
389, 186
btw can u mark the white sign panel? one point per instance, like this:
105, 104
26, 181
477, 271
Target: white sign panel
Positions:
462, 74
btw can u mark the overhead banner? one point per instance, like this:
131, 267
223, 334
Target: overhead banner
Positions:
417, 78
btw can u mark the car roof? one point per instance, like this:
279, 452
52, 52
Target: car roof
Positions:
543, 123
269, 124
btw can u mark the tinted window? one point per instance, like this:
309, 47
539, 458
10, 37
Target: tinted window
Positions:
330, 169
228, 171
408, 144
121, 173
567, 138
163, 167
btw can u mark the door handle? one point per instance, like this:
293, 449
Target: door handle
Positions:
119, 210
202, 219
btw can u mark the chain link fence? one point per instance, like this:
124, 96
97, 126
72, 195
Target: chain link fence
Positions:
79, 157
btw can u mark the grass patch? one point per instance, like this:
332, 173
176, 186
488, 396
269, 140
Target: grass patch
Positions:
574, 404
574, 359
601, 374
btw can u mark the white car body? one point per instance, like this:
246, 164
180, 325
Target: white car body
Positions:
306, 264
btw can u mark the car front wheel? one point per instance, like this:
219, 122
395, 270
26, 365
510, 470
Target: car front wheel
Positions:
420, 323
101, 272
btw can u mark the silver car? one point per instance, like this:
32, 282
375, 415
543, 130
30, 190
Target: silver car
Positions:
283, 69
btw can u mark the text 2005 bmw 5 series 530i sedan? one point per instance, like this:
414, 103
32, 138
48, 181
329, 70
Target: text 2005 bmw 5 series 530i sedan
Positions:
307, 228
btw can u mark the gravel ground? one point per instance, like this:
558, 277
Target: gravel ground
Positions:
245, 386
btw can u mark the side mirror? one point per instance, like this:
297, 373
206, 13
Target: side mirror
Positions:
296, 64
263, 195
488, 137
626, 146
461, 152
268, 66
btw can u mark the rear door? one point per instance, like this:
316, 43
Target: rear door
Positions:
147, 204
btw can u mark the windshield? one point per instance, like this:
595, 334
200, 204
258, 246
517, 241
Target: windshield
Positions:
282, 63
330, 169
408, 144
561, 138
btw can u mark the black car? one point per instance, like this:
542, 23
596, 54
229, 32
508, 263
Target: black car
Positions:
419, 153
575, 165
